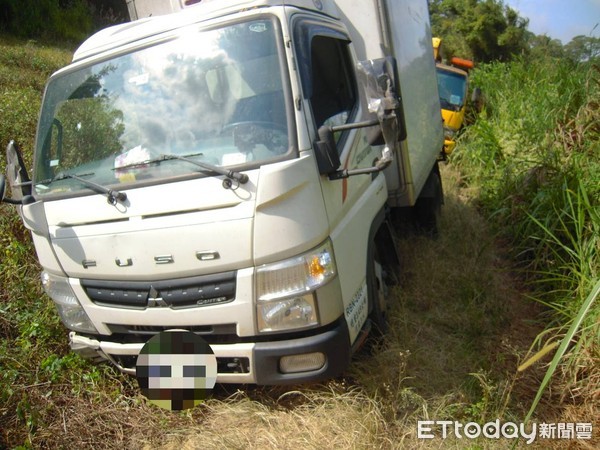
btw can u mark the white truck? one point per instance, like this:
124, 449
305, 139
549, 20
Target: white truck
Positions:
140, 9
231, 169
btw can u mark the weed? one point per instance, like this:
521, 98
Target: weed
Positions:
534, 157
565, 343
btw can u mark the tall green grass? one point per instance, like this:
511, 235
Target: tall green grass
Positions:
534, 156
24, 68
31, 336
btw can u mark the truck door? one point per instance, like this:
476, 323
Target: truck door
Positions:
332, 97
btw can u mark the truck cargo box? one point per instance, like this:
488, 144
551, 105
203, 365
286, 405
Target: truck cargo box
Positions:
382, 28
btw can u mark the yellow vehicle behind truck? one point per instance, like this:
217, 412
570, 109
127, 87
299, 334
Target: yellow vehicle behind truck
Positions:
453, 81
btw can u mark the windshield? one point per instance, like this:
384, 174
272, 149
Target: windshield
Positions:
214, 95
453, 88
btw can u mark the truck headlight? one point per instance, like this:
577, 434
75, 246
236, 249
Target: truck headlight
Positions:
69, 309
284, 291
291, 313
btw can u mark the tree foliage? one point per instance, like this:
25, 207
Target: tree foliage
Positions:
541, 46
55, 19
70, 20
583, 48
482, 30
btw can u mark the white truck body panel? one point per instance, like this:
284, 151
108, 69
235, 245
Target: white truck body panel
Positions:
140, 9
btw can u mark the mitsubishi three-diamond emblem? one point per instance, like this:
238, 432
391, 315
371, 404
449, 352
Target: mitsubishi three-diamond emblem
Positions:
154, 298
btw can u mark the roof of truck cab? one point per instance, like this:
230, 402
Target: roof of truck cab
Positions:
127, 33
452, 69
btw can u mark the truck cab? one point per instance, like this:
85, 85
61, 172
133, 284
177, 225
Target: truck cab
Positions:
223, 170
453, 83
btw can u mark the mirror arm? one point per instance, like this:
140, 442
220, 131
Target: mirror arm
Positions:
380, 165
353, 126
11, 201
387, 115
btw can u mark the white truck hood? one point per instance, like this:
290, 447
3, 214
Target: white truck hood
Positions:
165, 231
186, 228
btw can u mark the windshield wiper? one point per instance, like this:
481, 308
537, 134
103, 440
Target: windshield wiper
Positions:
111, 195
230, 174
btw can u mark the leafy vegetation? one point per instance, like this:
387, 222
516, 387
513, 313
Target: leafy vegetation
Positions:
24, 69
65, 20
583, 48
488, 31
483, 31
534, 157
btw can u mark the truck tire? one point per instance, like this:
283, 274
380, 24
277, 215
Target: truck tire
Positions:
376, 291
428, 208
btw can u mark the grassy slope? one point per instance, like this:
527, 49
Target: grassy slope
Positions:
459, 327
534, 156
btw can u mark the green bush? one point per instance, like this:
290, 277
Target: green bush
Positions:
49, 19
534, 156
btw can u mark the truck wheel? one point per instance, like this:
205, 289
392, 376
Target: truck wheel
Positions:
428, 208
376, 288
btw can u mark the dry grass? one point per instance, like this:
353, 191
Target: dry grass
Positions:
332, 417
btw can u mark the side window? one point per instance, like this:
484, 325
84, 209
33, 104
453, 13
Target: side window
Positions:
333, 86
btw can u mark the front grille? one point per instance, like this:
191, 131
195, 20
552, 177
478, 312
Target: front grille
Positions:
224, 365
150, 330
212, 334
199, 291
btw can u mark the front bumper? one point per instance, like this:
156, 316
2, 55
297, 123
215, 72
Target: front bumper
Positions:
252, 363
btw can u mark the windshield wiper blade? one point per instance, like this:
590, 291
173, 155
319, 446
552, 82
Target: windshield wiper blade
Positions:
231, 174
112, 195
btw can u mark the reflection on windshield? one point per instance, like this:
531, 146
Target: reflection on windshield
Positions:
452, 87
218, 93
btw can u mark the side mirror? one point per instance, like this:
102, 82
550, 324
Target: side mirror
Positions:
2, 187
18, 178
328, 159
